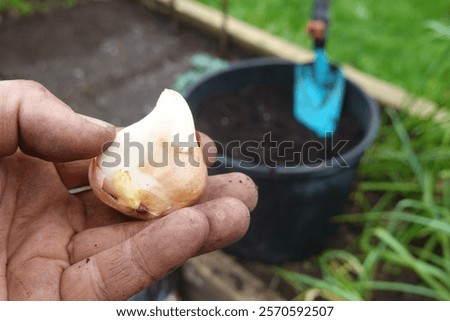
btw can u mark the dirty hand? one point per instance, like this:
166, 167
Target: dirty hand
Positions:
54, 245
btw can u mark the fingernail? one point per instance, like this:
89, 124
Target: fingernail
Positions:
97, 121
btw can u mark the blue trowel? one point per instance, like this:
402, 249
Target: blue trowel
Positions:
318, 87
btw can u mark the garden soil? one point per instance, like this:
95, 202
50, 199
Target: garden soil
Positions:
111, 59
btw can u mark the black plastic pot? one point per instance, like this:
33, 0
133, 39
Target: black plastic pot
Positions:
292, 219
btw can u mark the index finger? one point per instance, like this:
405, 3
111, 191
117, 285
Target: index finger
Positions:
41, 125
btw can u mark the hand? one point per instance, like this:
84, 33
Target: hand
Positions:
54, 245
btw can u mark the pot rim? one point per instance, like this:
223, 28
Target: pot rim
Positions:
329, 166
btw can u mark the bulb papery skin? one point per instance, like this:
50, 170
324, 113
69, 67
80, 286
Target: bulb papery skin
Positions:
155, 165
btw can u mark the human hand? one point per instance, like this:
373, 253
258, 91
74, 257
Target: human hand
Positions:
54, 245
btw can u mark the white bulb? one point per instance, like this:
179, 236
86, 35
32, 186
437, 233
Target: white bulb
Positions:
154, 166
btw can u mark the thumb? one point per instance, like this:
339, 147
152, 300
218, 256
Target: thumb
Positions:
41, 125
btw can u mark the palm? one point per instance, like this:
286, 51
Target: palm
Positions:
39, 227
42, 219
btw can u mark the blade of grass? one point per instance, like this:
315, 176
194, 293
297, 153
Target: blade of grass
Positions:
428, 189
302, 280
445, 176
340, 266
384, 202
400, 287
433, 258
435, 224
425, 271
399, 187
406, 145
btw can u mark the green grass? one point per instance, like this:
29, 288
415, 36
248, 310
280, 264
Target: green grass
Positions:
403, 41
27, 7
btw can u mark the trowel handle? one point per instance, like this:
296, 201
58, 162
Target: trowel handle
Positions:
319, 43
318, 25
320, 10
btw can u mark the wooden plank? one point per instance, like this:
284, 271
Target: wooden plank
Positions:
218, 277
264, 43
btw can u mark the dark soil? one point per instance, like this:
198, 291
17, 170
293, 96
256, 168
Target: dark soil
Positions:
262, 117
108, 59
